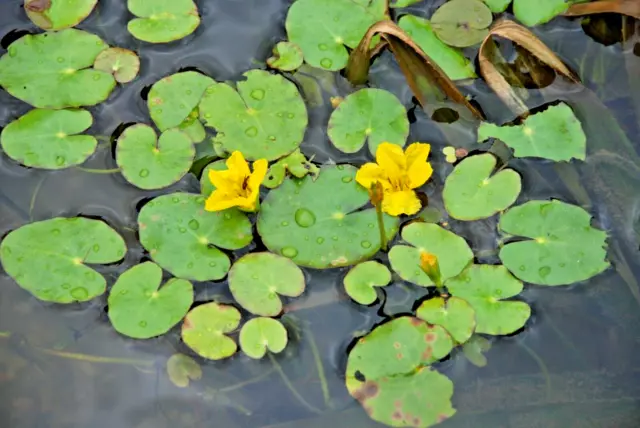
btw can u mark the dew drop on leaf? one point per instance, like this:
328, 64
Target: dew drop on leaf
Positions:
305, 218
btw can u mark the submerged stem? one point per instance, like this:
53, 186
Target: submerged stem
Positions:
292, 388
320, 368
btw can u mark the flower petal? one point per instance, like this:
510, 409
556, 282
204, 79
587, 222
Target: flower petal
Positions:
418, 169
404, 202
220, 200
392, 160
259, 172
224, 180
238, 165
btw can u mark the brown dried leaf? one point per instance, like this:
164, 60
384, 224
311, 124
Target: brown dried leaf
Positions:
623, 7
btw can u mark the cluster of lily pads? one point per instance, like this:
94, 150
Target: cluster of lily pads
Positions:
314, 216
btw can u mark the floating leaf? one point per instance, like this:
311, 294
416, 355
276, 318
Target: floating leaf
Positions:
53, 70
372, 115
193, 127
485, 287
287, 56
257, 279
386, 373
47, 258
497, 6
172, 99
58, 14
562, 247
296, 163
474, 350
182, 237
538, 12
451, 60
181, 369
320, 223
204, 330
360, 281
555, 134
264, 119
260, 334
162, 21
122, 63
322, 28
454, 314
403, 3
151, 163
49, 138
471, 193
139, 308
452, 251
462, 23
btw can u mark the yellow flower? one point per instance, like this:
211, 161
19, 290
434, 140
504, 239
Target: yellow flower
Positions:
399, 173
236, 186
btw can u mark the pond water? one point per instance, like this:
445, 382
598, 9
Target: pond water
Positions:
574, 365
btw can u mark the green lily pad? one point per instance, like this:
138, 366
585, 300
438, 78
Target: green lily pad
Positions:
555, 134
296, 164
151, 163
402, 3
452, 251
484, 287
162, 21
497, 6
320, 224
388, 373
204, 330
454, 314
54, 70
264, 119
193, 127
173, 99
49, 139
462, 23
48, 258
139, 308
471, 193
182, 237
562, 247
372, 115
122, 63
287, 56
474, 350
260, 334
360, 281
539, 12
58, 14
182, 369
451, 60
322, 28
257, 279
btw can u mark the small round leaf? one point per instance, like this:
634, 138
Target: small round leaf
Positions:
151, 163
182, 369
373, 115
204, 330
360, 281
162, 21
462, 23
539, 12
454, 314
49, 139
256, 280
497, 6
287, 56
471, 193
122, 63
260, 334
139, 308
58, 14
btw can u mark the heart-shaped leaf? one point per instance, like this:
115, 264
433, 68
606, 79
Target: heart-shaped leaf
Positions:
257, 279
139, 308
151, 163
264, 119
49, 139
474, 350
296, 164
539, 12
53, 70
484, 287
462, 23
287, 56
454, 314
555, 134
122, 63
205, 327
497, 6
47, 258
562, 247
162, 21
471, 193
360, 281
372, 115
182, 237
260, 334
58, 14
452, 251
181, 369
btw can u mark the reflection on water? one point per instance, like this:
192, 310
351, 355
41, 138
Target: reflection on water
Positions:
574, 365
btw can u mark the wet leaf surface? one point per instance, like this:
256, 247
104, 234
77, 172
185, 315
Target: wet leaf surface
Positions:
205, 327
122, 63
58, 14
539, 12
462, 23
287, 56
261, 334
497, 6
162, 21
359, 283
453, 314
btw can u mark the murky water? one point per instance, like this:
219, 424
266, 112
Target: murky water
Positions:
574, 365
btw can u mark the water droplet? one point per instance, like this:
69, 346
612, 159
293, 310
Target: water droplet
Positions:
96, 77
55, 232
291, 115
272, 138
59, 160
144, 173
182, 229
79, 293
189, 265
320, 240
322, 47
193, 224
227, 216
289, 252
284, 223
305, 218
544, 271
251, 131
60, 59
347, 179
257, 94
213, 264
142, 324
123, 292
335, 237
498, 292
175, 199
272, 296
280, 114
66, 286
326, 62
188, 92
365, 244
371, 225
96, 248
522, 268
562, 265
254, 276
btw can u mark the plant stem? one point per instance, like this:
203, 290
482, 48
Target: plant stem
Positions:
32, 203
99, 171
383, 235
320, 368
246, 382
292, 388
96, 358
